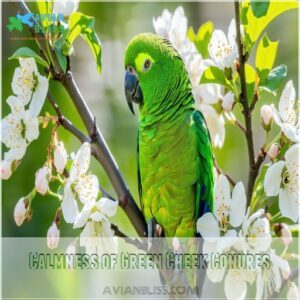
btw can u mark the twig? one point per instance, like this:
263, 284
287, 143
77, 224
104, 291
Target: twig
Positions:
66, 123
220, 171
239, 125
102, 152
253, 169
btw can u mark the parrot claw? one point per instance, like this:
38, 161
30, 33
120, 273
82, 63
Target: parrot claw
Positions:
154, 230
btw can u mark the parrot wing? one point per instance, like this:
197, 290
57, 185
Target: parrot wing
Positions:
204, 188
139, 174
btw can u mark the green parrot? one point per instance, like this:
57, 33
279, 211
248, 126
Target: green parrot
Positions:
175, 166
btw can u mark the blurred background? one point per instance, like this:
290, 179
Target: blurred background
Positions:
116, 24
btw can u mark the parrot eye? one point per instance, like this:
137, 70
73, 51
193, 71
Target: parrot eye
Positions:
147, 64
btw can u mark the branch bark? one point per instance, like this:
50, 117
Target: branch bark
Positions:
66, 123
100, 148
253, 167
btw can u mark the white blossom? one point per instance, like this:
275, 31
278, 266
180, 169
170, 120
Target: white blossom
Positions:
223, 50
228, 209
20, 211
287, 118
53, 236
29, 85
282, 178
65, 7
60, 156
80, 185
18, 129
42, 178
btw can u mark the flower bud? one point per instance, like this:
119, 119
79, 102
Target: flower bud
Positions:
53, 236
20, 211
228, 101
42, 178
282, 230
273, 151
293, 292
5, 169
266, 114
60, 157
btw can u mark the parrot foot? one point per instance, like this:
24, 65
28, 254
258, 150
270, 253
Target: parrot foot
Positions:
154, 230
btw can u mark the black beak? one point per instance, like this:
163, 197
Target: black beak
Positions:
133, 90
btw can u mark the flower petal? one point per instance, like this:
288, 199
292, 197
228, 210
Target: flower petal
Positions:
207, 226
221, 197
287, 101
272, 179
39, 96
32, 127
235, 287
81, 161
83, 216
11, 130
289, 204
210, 92
215, 274
107, 206
69, 205
291, 159
87, 188
215, 123
238, 205
16, 106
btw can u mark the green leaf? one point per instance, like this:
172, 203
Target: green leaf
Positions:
45, 9
275, 78
80, 24
251, 78
202, 38
259, 8
254, 26
215, 75
27, 52
265, 57
62, 60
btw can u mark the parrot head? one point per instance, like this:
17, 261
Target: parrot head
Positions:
153, 72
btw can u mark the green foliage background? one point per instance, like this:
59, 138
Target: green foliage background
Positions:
120, 22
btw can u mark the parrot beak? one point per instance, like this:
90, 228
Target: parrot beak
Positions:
133, 90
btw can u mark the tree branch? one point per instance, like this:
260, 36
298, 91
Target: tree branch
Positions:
66, 123
220, 171
253, 168
102, 152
